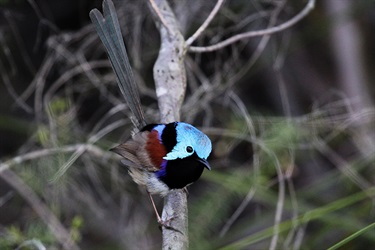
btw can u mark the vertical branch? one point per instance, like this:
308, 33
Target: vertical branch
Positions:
169, 69
346, 42
170, 82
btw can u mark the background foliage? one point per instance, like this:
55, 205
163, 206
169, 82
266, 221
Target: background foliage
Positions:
291, 117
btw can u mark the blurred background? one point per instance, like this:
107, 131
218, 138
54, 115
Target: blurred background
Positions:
291, 117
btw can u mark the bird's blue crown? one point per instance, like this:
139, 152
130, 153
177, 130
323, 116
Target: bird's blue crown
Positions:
189, 140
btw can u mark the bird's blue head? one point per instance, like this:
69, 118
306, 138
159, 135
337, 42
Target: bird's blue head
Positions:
190, 140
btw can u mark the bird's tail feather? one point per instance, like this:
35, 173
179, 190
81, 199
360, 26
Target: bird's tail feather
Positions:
109, 31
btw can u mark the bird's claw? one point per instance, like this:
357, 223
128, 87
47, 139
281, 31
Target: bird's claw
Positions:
166, 225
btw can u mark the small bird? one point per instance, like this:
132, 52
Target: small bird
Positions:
160, 157
166, 156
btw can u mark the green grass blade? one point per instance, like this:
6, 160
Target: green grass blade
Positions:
308, 216
352, 236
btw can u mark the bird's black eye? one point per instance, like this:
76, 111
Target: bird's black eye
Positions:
189, 149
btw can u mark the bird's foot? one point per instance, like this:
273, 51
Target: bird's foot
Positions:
163, 223
166, 225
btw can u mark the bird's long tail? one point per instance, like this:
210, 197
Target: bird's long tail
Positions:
109, 31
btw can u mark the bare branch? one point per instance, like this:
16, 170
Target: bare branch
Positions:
256, 164
83, 148
341, 164
309, 6
161, 18
170, 83
201, 29
49, 151
169, 69
12, 92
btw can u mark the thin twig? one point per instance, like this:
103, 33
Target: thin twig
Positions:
161, 17
80, 150
279, 63
310, 5
12, 92
201, 29
21, 45
50, 151
258, 50
341, 164
280, 199
256, 164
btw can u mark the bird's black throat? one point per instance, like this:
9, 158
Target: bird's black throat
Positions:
181, 172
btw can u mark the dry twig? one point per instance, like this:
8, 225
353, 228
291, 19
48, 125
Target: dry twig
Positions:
309, 6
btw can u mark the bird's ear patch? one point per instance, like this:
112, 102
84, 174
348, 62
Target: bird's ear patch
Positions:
172, 155
179, 152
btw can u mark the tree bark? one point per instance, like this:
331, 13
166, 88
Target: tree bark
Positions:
170, 82
346, 42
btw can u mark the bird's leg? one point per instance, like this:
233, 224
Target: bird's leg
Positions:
161, 222
155, 210
186, 191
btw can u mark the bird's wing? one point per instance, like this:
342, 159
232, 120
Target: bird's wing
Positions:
135, 153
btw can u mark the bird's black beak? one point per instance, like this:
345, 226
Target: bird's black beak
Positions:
205, 163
